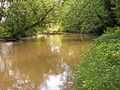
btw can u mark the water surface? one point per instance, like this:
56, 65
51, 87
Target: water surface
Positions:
42, 64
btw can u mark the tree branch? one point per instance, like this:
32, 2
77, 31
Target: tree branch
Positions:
42, 19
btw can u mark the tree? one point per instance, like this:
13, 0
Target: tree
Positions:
22, 17
90, 16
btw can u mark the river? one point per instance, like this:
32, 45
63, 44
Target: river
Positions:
41, 64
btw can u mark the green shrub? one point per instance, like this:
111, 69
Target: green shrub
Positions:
4, 33
111, 36
100, 66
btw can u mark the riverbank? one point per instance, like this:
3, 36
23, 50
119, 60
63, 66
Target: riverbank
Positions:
24, 38
42, 35
100, 66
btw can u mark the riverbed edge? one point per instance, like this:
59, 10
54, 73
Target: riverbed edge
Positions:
41, 36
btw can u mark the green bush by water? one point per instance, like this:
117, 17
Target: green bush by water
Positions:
100, 66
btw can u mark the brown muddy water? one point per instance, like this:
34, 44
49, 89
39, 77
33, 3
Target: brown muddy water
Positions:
41, 64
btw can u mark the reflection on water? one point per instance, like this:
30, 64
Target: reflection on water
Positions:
42, 64
55, 82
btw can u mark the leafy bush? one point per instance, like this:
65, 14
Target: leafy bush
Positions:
3, 33
100, 66
19, 16
111, 36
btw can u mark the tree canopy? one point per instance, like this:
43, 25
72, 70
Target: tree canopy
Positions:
30, 17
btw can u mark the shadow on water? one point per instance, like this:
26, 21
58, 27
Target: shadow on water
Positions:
41, 64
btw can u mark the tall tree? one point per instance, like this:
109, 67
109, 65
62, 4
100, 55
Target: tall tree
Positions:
92, 16
22, 17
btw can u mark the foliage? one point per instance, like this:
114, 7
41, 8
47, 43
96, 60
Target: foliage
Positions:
100, 67
81, 16
3, 32
90, 16
118, 10
112, 35
19, 16
24, 18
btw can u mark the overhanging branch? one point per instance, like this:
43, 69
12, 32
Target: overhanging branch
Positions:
42, 19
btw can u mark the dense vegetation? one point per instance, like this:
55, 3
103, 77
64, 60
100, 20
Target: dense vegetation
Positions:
31, 17
91, 16
26, 17
100, 66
